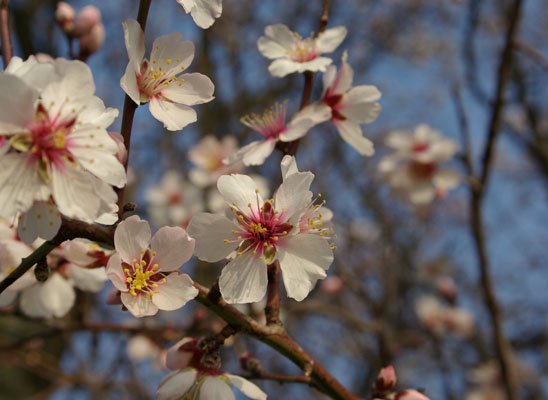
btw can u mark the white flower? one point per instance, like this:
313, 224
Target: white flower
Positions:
203, 12
190, 380
60, 151
148, 278
350, 106
262, 232
291, 53
159, 79
414, 168
173, 201
272, 126
208, 156
439, 318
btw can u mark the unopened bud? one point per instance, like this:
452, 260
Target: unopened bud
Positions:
179, 355
64, 14
447, 288
92, 42
410, 394
250, 363
86, 19
385, 382
332, 286
121, 154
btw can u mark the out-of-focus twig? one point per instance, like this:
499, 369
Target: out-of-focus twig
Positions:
7, 47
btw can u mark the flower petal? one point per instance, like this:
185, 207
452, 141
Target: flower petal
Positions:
131, 236
128, 83
210, 232
446, 179
216, 389
282, 67
176, 384
42, 220
304, 258
204, 12
294, 195
135, 43
359, 104
254, 153
175, 292
244, 279
304, 120
174, 116
171, 53
139, 306
248, 388
190, 89
19, 183
352, 134
56, 297
115, 272
239, 190
16, 104
87, 279
173, 247
278, 40
330, 39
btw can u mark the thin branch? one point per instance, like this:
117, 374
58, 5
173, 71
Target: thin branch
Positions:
272, 308
532, 53
281, 378
7, 47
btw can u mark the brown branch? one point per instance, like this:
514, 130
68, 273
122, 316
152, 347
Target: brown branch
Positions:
504, 350
272, 308
7, 47
276, 337
532, 53
281, 378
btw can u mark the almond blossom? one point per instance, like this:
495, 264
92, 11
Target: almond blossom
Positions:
291, 53
203, 12
148, 277
272, 126
261, 232
350, 106
414, 167
192, 380
159, 80
59, 150
439, 318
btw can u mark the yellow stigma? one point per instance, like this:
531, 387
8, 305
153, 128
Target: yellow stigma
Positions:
58, 139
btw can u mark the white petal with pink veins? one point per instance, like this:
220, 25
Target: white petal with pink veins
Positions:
19, 183
210, 232
76, 251
190, 89
17, 108
171, 54
175, 292
128, 82
239, 189
131, 236
135, 42
341, 82
174, 116
216, 389
294, 195
139, 306
359, 104
176, 384
87, 279
173, 247
304, 120
42, 220
303, 260
330, 39
352, 134
248, 388
116, 273
244, 279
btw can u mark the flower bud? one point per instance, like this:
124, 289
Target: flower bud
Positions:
447, 288
121, 155
179, 355
386, 380
250, 363
410, 394
64, 14
92, 42
332, 286
86, 19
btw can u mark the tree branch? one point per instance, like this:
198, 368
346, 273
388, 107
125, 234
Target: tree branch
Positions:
7, 47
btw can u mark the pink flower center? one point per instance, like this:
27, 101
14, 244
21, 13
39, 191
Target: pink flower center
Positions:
419, 147
271, 124
260, 230
333, 101
151, 79
175, 198
143, 276
304, 50
422, 170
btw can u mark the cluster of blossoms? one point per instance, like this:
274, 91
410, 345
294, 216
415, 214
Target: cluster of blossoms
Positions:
439, 318
413, 169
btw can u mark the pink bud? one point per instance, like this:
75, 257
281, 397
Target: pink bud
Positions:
92, 42
386, 380
179, 355
113, 297
43, 58
332, 286
250, 363
121, 155
86, 19
447, 288
410, 394
64, 14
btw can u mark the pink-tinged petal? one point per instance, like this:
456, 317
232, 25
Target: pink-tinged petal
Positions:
87, 279
128, 83
446, 179
294, 195
176, 384
343, 81
216, 389
190, 89
204, 12
42, 220
19, 184
116, 273
443, 149
76, 251
56, 297
210, 232
244, 280
422, 193
139, 306
173, 247
328, 78
171, 54
174, 116
254, 153
352, 134
175, 292
16, 104
304, 120
135, 43
279, 39
282, 67
399, 140
131, 236
35, 74
410, 394
359, 104
249, 389
239, 191
177, 358
330, 39
304, 258
315, 65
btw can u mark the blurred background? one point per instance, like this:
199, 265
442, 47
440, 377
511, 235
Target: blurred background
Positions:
405, 285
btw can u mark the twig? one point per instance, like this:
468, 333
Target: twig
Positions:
532, 53
7, 47
281, 378
272, 308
